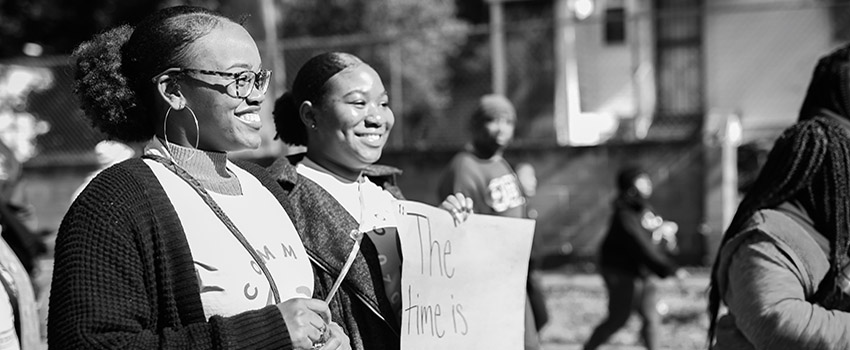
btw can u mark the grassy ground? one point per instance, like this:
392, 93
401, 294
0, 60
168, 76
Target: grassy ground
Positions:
577, 302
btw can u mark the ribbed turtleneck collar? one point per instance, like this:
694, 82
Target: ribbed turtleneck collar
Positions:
209, 168
198, 161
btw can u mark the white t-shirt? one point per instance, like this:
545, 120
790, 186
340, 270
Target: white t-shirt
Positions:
230, 280
368, 203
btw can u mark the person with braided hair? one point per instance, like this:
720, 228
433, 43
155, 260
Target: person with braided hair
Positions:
781, 267
182, 248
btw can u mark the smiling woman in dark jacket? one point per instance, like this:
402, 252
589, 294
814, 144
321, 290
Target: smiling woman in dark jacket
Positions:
181, 249
338, 108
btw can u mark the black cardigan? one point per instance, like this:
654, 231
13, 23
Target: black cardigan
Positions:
124, 278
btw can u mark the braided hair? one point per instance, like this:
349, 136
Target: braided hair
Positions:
309, 85
114, 69
808, 165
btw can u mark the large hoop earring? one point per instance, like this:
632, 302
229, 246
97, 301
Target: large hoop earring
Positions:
194, 117
197, 129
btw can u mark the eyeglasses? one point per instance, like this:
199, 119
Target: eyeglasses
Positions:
243, 83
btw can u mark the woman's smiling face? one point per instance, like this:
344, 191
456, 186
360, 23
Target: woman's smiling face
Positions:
353, 121
226, 123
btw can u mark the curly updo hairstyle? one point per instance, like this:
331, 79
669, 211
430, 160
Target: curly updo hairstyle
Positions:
309, 85
115, 68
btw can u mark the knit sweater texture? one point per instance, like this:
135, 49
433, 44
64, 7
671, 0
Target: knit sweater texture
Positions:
124, 276
361, 306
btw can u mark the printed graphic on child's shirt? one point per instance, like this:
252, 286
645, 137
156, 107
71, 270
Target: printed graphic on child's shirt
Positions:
504, 193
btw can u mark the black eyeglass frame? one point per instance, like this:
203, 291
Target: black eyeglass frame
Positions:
264, 76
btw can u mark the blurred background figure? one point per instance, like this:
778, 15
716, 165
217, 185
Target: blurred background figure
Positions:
19, 131
20, 327
108, 152
783, 269
630, 257
481, 173
17, 216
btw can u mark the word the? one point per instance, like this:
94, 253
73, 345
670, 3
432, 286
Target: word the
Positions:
437, 252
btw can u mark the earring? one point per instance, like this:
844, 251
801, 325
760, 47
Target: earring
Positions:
313, 126
195, 118
197, 129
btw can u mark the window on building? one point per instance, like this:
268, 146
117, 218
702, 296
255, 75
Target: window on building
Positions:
615, 25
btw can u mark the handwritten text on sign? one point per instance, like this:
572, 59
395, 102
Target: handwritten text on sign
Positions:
463, 287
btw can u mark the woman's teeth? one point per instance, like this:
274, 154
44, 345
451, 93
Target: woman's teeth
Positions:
372, 137
249, 117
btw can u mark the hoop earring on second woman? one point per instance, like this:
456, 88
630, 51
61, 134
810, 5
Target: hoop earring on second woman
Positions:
194, 117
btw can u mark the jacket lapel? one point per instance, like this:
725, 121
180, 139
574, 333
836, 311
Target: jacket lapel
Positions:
324, 226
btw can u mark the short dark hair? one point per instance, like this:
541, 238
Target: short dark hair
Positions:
489, 105
309, 85
114, 68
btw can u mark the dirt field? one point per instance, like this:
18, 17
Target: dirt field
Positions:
577, 301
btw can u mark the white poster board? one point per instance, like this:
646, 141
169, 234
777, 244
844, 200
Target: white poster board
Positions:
463, 287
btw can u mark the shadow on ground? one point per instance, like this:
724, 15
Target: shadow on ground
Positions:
577, 302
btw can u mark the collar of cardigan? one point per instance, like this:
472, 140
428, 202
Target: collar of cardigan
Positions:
283, 171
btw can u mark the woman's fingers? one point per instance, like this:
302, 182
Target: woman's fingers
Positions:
459, 206
466, 205
305, 321
451, 205
320, 307
336, 338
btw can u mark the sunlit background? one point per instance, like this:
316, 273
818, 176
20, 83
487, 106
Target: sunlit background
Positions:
694, 90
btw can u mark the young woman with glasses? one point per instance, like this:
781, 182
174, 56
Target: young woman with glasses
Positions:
182, 248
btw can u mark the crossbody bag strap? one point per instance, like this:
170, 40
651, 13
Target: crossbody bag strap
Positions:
196, 185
